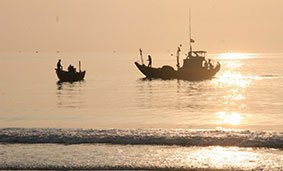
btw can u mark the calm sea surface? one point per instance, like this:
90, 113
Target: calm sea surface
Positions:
116, 119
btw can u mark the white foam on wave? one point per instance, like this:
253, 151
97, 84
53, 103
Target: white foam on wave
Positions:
136, 157
181, 137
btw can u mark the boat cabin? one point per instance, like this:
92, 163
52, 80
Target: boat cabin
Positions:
194, 59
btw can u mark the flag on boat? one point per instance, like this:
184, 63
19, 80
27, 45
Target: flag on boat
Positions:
192, 40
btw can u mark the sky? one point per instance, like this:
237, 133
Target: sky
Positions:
127, 25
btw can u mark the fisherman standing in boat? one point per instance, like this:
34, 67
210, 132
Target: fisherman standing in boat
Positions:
59, 66
149, 61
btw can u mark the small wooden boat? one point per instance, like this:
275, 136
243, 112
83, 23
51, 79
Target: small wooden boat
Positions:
71, 75
67, 76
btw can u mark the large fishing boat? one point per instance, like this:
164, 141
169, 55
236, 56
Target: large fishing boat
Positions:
195, 66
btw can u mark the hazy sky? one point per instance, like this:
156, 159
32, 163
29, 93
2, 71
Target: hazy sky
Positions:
154, 25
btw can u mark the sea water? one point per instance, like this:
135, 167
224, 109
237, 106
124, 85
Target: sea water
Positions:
116, 119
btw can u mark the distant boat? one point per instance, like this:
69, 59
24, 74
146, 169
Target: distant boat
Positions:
70, 76
195, 67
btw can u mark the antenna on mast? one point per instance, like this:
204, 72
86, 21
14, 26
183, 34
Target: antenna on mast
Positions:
190, 26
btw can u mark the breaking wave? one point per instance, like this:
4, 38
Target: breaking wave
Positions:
180, 137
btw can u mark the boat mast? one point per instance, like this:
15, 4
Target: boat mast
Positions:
141, 55
177, 55
190, 27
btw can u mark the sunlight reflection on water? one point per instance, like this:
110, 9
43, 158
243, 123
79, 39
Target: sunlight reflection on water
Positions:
234, 56
232, 118
221, 158
235, 85
233, 79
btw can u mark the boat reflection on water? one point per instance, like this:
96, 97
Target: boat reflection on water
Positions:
70, 95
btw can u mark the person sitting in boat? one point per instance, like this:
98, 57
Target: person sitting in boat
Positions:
210, 66
189, 54
59, 66
71, 68
149, 61
205, 64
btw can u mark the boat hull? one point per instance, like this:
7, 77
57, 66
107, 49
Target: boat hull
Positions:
65, 76
167, 72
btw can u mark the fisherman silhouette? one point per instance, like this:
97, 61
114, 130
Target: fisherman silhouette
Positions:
210, 66
149, 61
71, 68
205, 64
59, 66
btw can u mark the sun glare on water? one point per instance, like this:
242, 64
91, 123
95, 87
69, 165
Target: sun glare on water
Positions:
232, 118
233, 80
221, 157
236, 56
